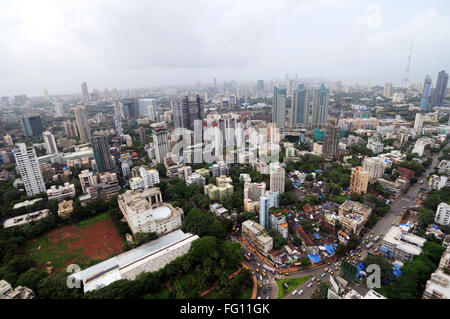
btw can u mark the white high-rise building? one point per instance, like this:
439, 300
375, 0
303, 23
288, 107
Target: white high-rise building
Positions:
160, 141
418, 122
442, 216
28, 168
277, 178
50, 143
271, 199
375, 166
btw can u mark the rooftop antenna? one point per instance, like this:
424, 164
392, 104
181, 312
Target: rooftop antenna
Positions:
406, 79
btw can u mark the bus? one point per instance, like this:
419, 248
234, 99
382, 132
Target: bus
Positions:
369, 245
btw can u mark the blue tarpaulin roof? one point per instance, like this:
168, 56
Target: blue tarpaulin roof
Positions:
314, 258
397, 272
317, 236
362, 266
435, 227
329, 249
382, 248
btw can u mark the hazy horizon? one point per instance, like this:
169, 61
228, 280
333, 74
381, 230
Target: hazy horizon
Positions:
57, 45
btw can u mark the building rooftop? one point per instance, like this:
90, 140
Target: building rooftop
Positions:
108, 271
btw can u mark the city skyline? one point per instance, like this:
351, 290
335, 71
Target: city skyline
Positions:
369, 42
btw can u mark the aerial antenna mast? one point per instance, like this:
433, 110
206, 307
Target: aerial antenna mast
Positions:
406, 79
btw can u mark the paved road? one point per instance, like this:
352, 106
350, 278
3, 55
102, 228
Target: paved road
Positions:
382, 227
408, 199
268, 282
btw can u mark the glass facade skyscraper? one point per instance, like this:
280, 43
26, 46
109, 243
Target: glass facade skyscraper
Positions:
300, 106
424, 102
441, 87
279, 107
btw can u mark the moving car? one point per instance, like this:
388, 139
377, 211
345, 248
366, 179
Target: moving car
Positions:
310, 285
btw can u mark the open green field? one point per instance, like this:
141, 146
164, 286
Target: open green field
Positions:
86, 242
293, 283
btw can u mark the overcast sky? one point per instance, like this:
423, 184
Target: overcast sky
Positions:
58, 44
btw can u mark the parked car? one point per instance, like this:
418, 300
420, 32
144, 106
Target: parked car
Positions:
294, 292
310, 285
300, 292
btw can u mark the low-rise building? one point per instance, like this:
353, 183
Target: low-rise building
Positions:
222, 180
438, 182
20, 292
26, 203
149, 257
401, 245
256, 235
65, 208
353, 216
438, 286
442, 216
62, 192
25, 218
396, 188
195, 178
251, 205
278, 222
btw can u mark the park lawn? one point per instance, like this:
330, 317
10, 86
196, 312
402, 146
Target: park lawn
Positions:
293, 283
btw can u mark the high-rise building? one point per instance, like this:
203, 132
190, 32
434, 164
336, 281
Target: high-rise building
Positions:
28, 168
32, 125
375, 166
116, 96
260, 86
418, 122
142, 136
388, 90
359, 179
50, 143
107, 95
188, 111
424, 102
85, 91
160, 140
300, 106
320, 106
130, 108
82, 123
279, 107
2, 128
331, 141
71, 128
266, 202
277, 178
441, 88
102, 154
147, 107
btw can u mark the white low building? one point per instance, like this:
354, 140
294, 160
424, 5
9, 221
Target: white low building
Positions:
149, 257
442, 216
62, 192
401, 245
26, 218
